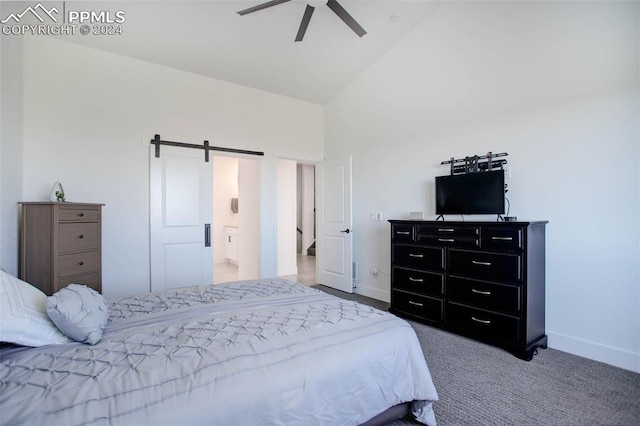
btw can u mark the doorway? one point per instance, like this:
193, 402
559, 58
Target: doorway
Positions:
236, 218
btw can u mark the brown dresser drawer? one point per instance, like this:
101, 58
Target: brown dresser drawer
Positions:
78, 214
402, 233
90, 280
484, 324
421, 306
418, 281
79, 236
418, 257
490, 266
482, 294
502, 238
78, 263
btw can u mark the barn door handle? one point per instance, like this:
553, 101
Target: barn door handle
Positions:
207, 235
346, 231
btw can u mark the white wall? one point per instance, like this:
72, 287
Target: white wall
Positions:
299, 207
286, 212
225, 187
555, 85
10, 148
249, 218
307, 205
88, 116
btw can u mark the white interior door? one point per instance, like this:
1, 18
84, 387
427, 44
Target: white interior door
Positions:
334, 237
181, 207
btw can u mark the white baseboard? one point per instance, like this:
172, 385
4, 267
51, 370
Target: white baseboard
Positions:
372, 292
595, 351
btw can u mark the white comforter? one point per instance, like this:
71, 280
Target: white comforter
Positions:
263, 352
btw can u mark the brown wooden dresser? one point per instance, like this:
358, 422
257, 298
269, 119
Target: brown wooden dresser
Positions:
485, 280
60, 244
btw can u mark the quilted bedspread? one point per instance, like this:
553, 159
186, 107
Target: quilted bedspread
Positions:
252, 352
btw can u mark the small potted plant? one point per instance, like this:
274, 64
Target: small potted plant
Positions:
57, 193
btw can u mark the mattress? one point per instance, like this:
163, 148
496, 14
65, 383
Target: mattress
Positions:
251, 352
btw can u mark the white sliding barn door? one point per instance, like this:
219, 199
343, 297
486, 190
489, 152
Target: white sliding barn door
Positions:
181, 204
335, 241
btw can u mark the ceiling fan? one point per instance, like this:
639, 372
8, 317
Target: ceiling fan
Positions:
308, 12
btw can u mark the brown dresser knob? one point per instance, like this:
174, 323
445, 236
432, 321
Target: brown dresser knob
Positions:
81, 236
81, 263
81, 214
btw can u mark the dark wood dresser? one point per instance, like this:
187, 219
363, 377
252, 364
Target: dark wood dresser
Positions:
484, 280
60, 244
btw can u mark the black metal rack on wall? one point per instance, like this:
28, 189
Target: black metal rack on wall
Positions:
477, 163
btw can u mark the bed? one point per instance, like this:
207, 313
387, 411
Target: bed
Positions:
249, 352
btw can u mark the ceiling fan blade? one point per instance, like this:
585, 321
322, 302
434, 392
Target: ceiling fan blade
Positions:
262, 6
344, 15
308, 12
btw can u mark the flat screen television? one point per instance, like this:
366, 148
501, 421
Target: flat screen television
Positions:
470, 193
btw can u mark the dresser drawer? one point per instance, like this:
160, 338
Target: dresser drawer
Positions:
447, 230
421, 306
486, 295
491, 266
484, 324
90, 280
78, 263
449, 240
502, 238
418, 281
73, 214
419, 257
449, 235
79, 236
402, 233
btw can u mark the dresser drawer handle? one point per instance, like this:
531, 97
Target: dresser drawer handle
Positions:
446, 229
481, 320
81, 236
475, 262
416, 280
403, 233
416, 255
81, 263
81, 214
446, 240
486, 293
502, 238
416, 303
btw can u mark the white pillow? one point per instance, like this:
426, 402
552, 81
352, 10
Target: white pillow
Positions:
79, 312
23, 314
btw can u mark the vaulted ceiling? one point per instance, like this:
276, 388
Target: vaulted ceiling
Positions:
258, 50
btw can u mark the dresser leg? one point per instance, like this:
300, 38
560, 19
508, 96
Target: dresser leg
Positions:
527, 354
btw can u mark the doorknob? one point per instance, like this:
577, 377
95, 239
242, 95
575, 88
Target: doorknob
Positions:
346, 231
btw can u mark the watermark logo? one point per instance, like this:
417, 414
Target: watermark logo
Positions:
33, 11
68, 22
